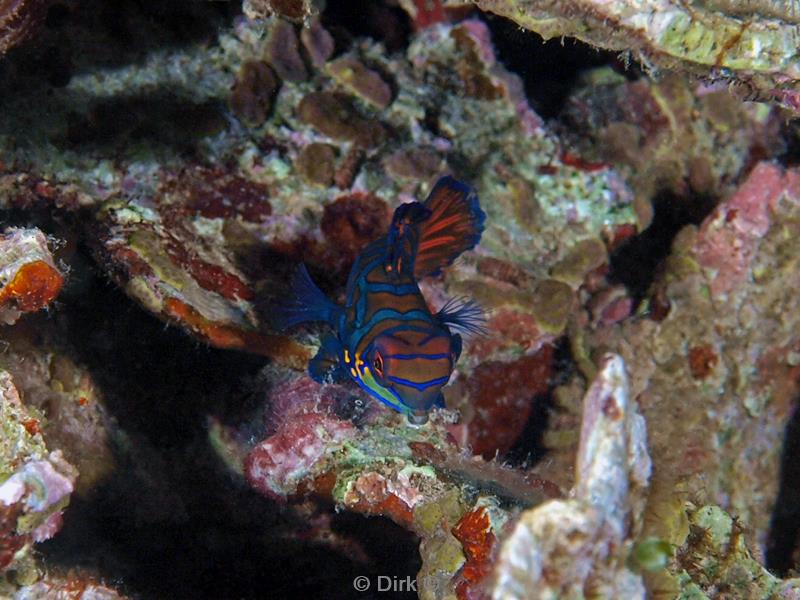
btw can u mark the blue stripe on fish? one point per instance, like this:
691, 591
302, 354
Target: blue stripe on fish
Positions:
385, 315
419, 386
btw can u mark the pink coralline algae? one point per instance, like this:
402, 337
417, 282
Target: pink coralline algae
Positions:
717, 360
417, 477
276, 465
729, 241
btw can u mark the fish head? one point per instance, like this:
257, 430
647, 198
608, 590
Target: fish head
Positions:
408, 369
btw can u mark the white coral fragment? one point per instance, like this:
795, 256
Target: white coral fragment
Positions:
578, 547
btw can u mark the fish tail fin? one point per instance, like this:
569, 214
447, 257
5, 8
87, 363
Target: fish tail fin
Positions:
308, 303
454, 224
464, 316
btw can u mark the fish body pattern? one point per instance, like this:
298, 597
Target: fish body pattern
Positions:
386, 338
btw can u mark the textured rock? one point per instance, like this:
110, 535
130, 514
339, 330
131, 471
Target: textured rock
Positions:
756, 50
715, 372
36, 485
570, 548
29, 279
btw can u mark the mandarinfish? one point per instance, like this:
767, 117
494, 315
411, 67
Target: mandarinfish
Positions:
385, 337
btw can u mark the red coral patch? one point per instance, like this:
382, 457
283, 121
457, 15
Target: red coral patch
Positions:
353, 221
35, 285
502, 395
474, 531
702, 360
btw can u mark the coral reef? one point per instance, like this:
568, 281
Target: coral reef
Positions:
163, 169
757, 49
415, 476
579, 546
715, 557
35, 489
30, 279
668, 136
699, 373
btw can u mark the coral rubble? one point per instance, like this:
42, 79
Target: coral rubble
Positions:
30, 279
579, 546
196, 161
35, 489
715, 40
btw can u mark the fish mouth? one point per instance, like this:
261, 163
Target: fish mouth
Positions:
417, 418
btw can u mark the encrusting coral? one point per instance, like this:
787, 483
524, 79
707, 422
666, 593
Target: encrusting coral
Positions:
200, 174
753, 46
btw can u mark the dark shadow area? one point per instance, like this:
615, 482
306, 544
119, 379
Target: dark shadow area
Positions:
348, 19
791, 158
80, 36
784, 530
164, 119
549, 69
637, 261
172, 521
529, 450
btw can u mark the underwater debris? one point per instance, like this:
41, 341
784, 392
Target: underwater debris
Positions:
29, 279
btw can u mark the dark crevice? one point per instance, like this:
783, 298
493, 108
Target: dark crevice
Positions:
172, 521
549, 69
636, 263
530, 449
791, 158
784, 531
348, 19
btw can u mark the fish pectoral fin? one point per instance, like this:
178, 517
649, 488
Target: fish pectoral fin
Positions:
463, 315
326, 366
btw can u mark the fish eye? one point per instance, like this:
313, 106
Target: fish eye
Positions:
377, 364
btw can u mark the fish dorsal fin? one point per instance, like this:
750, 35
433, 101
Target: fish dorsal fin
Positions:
454, 224
403, 237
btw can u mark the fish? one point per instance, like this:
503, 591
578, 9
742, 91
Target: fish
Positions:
385, 337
